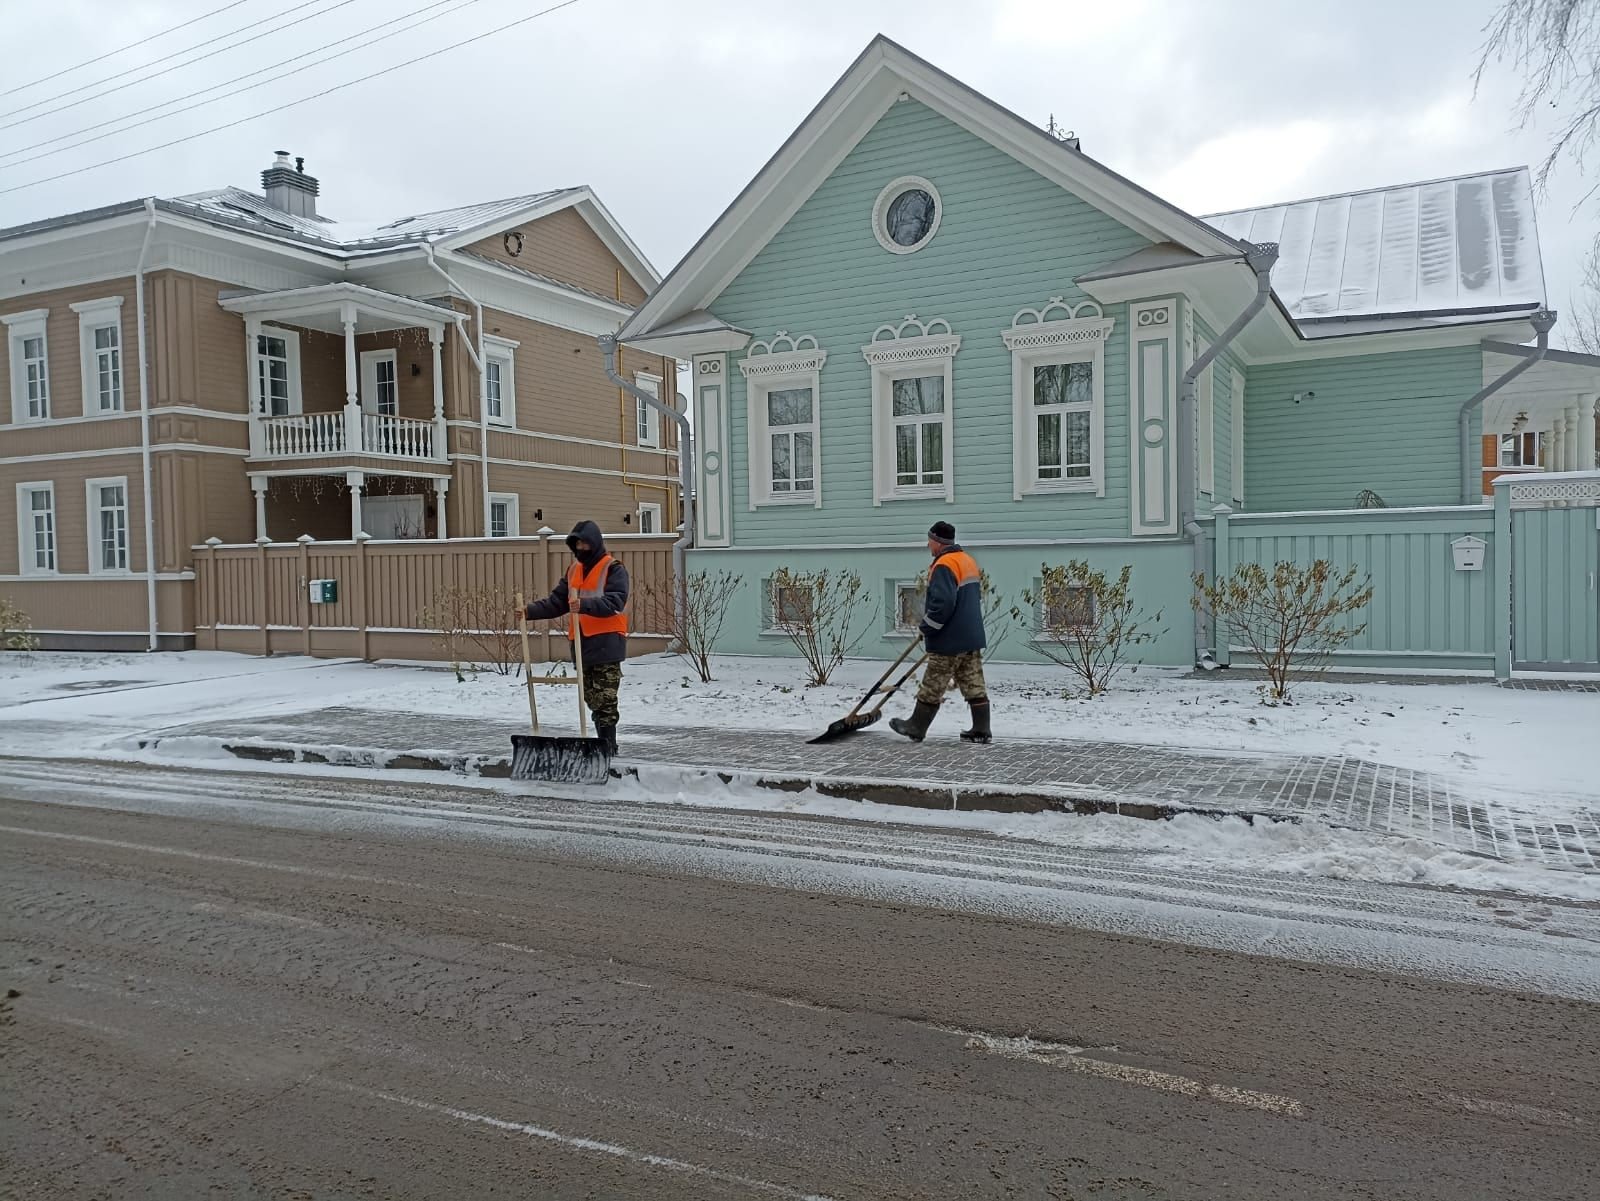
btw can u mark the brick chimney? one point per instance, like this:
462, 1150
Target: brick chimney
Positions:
290, 188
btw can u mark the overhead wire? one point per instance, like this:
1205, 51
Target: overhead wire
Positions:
100, 58
339, 87
277, 28
364, 36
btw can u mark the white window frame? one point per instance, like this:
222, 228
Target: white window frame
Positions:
896, 354
770, 624
647, 422
1522, 441
504, 352
891, 193
1041, 626
1206, 431
27, 545
654, 511
20, 327
513, 504
291, 341
93, 508
900, 586
1238, 437
369, 380
768, 369
94, 316
1039, 338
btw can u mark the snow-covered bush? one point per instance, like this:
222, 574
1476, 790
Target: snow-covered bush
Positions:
1291, 617
824, 614
16, 628
695, 628
1086, 622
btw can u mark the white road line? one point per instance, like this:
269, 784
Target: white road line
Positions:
1061, 1055
579, 1143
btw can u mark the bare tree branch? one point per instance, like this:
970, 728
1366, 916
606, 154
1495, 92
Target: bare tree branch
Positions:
1554, 45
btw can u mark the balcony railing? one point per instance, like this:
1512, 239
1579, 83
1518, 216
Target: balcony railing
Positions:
317, 435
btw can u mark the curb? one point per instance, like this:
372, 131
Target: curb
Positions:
921, 795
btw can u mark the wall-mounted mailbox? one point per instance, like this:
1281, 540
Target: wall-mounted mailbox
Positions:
1468, 552
324, 592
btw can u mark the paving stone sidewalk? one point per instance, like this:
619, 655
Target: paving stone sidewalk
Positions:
1349, 792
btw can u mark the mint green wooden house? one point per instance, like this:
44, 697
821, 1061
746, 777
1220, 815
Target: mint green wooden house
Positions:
927, 308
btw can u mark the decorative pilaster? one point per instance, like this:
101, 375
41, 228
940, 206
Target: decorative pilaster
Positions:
259, 485
440, 430
357, 481
352, 383
441, 492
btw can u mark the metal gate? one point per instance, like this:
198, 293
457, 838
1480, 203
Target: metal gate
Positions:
1555, 584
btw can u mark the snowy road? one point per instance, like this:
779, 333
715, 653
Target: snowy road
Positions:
254, 984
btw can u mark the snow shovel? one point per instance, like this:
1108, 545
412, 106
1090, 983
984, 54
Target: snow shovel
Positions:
559, 759
859, 718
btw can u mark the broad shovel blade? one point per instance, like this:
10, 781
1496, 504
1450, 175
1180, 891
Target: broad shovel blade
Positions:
846, 725
559, 760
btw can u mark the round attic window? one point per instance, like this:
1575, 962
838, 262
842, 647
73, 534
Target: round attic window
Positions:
907, 215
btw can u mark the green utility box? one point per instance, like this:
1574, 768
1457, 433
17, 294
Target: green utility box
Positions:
324, 592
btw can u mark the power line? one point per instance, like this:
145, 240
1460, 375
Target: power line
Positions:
175, 67
89, 62
363, 36
122, 158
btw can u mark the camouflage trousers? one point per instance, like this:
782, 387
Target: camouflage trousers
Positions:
966, 671
600, 684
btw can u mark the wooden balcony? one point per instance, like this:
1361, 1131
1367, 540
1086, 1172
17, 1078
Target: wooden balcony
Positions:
347, 431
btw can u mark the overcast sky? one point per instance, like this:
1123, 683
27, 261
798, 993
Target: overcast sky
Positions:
668, 107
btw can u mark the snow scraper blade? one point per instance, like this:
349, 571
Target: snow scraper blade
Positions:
860, 718
559, 759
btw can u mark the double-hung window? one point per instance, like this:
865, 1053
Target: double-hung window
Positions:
650, 519
277, 372
647, 420
504, 517
36, 528
100, 352
1058, 399
784, 395
500, 380
912, 397
30, 364
108, 525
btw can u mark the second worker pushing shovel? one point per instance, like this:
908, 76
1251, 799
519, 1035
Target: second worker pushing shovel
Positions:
952, 632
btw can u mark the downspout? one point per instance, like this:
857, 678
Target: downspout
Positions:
1472, 468
608, 348
476, 355
1259, 259
144, 429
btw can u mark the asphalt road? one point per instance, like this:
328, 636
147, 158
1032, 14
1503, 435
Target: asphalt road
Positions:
231, 986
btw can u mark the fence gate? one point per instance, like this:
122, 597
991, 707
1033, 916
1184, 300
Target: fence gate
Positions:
1555, 584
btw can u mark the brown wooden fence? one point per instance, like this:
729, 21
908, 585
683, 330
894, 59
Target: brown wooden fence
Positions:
391, 599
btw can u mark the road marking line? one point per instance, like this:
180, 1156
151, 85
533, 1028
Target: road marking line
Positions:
579, 1143
1063, 1055
1511, 1109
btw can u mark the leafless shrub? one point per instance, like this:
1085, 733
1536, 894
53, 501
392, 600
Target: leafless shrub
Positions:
1086, 622
824, 614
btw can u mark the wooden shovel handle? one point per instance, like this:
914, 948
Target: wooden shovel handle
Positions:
575, 621
527, 662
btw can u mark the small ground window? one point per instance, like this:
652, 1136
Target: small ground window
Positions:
1068, 609
910, 602
792, 606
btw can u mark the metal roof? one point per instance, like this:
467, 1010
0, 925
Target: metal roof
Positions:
1445, 246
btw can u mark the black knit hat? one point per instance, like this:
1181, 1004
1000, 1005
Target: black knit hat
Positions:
942, 531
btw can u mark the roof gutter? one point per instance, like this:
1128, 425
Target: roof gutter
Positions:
1471, 467
476, 354
144, 429
1259, 259
608, 348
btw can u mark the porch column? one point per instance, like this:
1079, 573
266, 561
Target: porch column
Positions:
1554, 450
357, 480
1586, 432
259, 485
441, 490
440, 447
252, 376
1569, 440
352, 382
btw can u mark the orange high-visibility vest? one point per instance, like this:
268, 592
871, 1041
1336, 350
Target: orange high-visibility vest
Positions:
962, 565
593, 583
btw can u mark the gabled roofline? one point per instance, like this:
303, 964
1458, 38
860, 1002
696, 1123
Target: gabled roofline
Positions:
864, 92
1415, 183
598, 217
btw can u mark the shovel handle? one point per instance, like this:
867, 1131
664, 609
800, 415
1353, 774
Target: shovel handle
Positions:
527, 662
575, 625
873, 691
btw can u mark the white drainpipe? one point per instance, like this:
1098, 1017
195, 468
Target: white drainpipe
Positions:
144, 430
476, 354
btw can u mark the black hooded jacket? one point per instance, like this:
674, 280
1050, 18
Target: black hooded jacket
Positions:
597, 648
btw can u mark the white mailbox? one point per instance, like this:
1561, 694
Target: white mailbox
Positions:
1468, 552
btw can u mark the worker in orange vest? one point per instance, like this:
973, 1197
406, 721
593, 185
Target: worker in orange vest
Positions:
593, 596
953, 634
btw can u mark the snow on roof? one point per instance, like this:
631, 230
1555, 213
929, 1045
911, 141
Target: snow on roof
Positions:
249, 210
1444, 246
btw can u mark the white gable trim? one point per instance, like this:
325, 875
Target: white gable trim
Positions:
883, 74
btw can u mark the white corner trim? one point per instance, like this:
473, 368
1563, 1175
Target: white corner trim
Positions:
900, 347
880, 213
1038, 331
764, 358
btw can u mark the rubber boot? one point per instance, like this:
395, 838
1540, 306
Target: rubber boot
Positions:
916, 726
608, 739
980, 724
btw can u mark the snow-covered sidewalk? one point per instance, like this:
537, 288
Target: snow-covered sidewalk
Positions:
1468, 767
